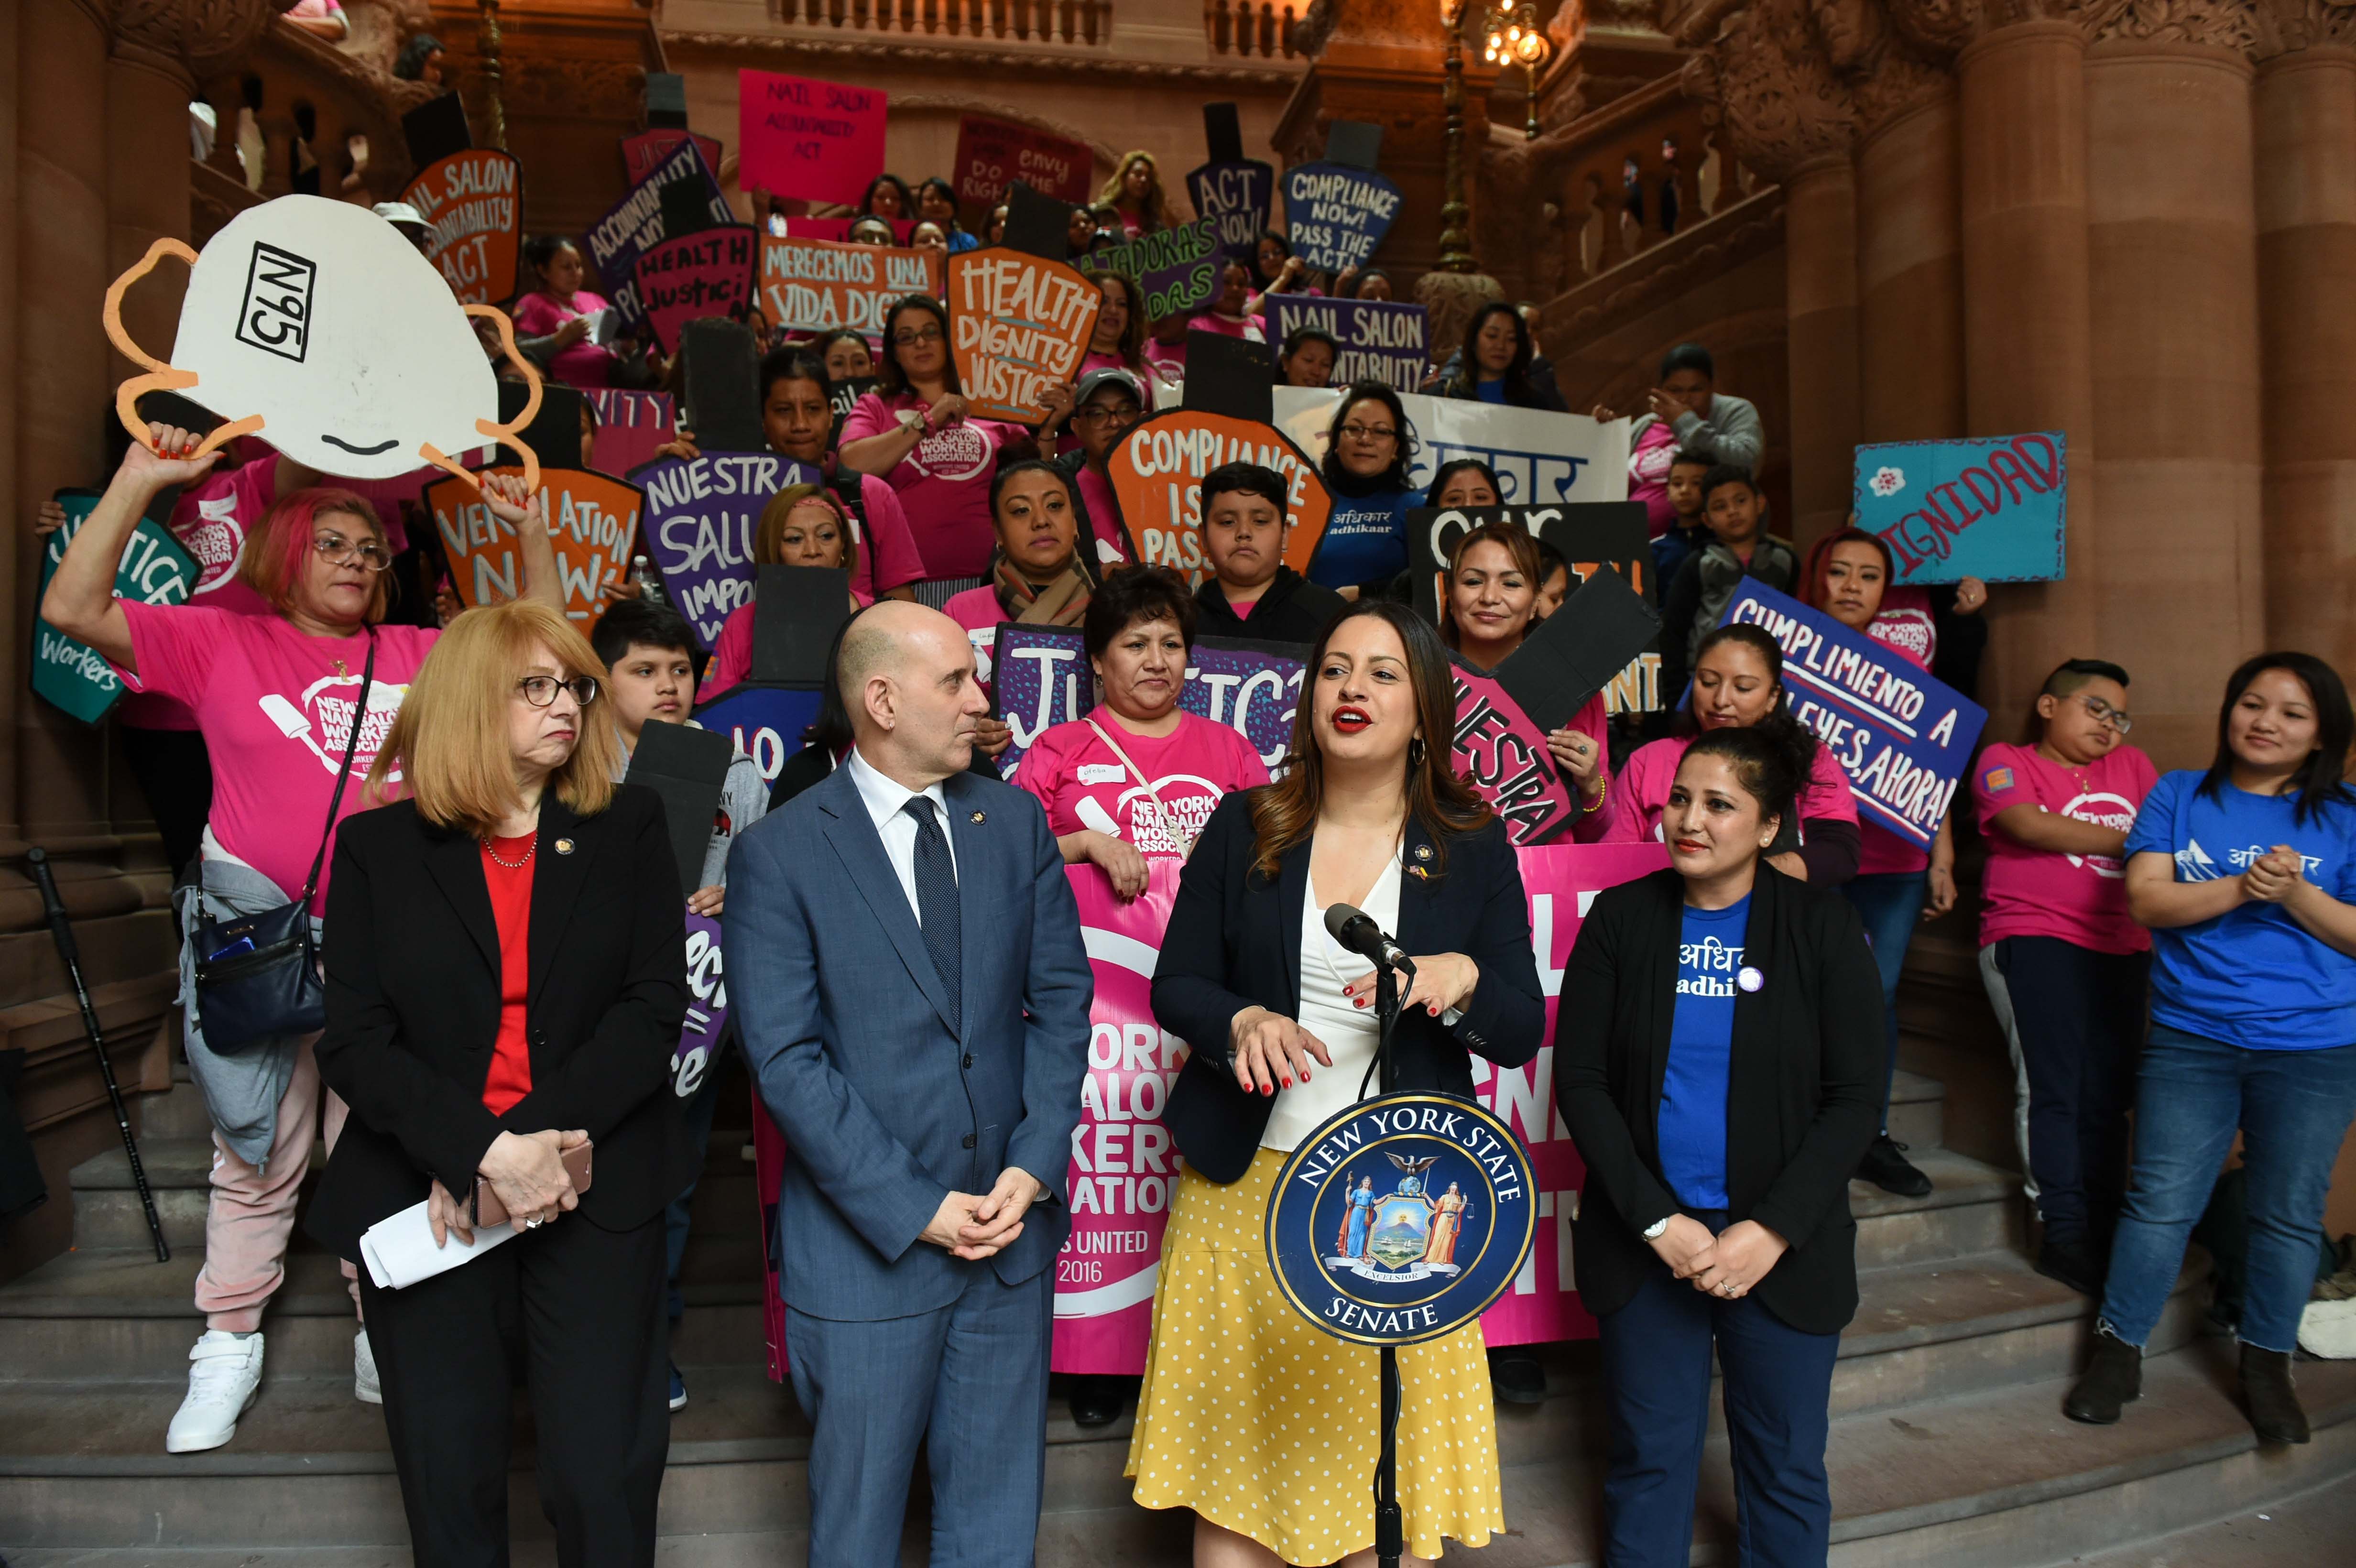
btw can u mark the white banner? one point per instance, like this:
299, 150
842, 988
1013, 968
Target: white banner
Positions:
1540, 458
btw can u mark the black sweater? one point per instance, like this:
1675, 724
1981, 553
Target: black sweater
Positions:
1291, 610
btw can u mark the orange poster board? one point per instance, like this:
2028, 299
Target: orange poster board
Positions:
1157, 474
473, 206
1018, 324
818, 285
596, 519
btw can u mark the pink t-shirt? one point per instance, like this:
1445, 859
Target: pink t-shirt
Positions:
1905, 623
1104, 516
1640, 792
1879, 849
276, 710
211, 519
1083, 785
732, 652
2041, 893
583, 365
1648, 475
978, 611
944, 485
1168, 358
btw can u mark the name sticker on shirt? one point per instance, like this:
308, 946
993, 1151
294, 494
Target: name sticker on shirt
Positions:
1401, 1219
1102, 772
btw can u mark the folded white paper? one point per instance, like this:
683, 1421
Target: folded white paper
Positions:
398, 1249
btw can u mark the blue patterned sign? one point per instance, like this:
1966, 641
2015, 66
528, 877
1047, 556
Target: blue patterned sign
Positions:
1401, 1219
1991, 507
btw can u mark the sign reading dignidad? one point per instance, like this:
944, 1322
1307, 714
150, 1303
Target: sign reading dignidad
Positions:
1991, 507
1902, 738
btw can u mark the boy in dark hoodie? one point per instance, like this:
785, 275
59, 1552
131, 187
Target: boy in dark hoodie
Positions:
1251, 592
1738, 546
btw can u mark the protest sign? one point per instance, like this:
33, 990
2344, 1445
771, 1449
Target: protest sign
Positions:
992, 154
1902, 738
1335, 215
797, 612
630, 425
768, 1175
821, 141
1237, 191
635, 224
701, 517
1380, 340
844, 396
1991, 507
686, 766
155, 570
643, 151
1039, 678
687, 277
811, 285
1592, 640
473, 206
766, 722
707, 1007
1018, 323
1157, 474
435, 129
1177, 268
595, 519
719, 383
1501, 751
838, 229
1539, 457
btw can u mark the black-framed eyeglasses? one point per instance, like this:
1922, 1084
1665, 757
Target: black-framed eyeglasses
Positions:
1096, 413
540, 690
1369, 432
2105, 714
336, 551
921, 335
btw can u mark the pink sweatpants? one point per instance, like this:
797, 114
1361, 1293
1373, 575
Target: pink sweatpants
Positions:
252, 1211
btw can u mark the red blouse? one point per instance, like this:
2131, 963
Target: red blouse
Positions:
510, 882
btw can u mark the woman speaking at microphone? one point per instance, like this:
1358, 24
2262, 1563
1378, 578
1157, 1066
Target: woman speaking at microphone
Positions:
1721, 983
1262, 1424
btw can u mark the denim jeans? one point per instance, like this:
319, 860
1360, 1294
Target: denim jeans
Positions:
2292, 1108
1890, 904
2075, 1017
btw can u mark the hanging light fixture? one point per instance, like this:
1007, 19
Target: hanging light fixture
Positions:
1515, 38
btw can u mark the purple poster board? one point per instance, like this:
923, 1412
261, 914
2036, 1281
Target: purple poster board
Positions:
634, 226
765, 721
707, 1007
1239, 194
1335, 215
1902, 738
1178, 268
1380, 340
1039, 678
698, 526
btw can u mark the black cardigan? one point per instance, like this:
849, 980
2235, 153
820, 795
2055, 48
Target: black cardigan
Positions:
412, 962
1291, 609
1804, 1089
1233, 942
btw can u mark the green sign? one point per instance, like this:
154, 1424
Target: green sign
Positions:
154, 570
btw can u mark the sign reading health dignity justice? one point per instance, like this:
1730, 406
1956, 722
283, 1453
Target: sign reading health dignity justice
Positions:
1991, 507
1902, 738
1018, 324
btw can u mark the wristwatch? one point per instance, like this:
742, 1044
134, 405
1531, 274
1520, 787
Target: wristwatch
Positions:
1658, 1228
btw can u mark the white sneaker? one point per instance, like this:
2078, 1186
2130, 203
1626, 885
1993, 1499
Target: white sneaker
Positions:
364, 1386
225, 1373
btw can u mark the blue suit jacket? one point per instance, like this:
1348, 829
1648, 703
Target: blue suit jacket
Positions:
885, 1109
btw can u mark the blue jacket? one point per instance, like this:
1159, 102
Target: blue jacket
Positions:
884, 1108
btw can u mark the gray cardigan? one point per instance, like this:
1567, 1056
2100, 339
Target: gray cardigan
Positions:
1731, 434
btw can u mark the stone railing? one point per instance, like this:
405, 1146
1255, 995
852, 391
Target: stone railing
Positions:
1267, 31
1083, 23
299, 113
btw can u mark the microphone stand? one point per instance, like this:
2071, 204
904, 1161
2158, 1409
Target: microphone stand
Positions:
1390, 1532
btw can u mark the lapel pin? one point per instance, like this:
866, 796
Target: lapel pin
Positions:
564, 846
1423, 851
980, 817
1418, 871
1750, 979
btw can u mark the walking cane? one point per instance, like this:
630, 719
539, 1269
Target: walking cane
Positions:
59, 929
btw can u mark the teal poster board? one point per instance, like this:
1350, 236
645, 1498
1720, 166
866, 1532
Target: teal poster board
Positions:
154, 570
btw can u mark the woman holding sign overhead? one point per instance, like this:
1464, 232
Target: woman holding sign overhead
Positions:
914, 432
1251, 1416
1738, 684
1717, 1058
291, 704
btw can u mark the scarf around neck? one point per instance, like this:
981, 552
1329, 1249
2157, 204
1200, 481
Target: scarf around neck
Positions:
1061, 603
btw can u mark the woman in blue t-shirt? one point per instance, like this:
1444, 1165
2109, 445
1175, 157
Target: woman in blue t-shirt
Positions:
1367, 450
2246, 875
1719, 984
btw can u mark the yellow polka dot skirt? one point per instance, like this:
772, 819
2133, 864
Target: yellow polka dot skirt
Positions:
1260, 1422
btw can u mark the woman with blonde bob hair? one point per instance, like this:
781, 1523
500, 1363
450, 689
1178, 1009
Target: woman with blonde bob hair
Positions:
1282, 1022
506, 984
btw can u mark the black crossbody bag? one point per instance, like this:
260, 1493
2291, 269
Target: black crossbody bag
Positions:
258, 975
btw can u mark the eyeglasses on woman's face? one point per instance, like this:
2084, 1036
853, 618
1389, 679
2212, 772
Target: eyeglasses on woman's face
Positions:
1354, 430
540, 690
908, 337
336, 551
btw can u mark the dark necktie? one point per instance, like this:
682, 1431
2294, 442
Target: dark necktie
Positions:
937, 899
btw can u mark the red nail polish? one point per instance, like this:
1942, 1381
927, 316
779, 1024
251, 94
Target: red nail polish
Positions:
1288, 1083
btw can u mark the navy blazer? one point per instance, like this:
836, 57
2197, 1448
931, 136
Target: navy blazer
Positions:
1233, 942
1803, 1085
886, 1109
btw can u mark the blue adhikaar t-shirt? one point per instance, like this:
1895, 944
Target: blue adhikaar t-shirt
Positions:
1365, 538
2252, 977
1691, 1125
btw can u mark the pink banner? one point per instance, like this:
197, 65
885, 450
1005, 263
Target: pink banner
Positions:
769, 1174
630, 425
821, 141
1124, 1170
1502, 754
690, 276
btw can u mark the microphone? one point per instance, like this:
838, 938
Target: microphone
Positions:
1355, 929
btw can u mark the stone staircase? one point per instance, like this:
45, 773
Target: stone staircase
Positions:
1948, 1444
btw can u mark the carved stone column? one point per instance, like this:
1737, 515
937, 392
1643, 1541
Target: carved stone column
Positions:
2305, 155
2028, 351
2172, 241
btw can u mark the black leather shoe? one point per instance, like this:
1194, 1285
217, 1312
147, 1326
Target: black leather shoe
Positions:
1516, 1376
1097, 1398
2273, 1404
1886, 1165
2112, 1381
2072, 1264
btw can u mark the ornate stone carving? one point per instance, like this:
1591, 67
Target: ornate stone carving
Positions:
1773, 83
2237, 25
200, 37
2302, 24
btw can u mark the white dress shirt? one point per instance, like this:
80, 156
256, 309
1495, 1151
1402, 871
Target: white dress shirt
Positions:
1349, 1031
886, 800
